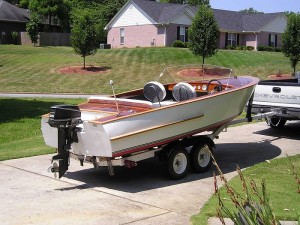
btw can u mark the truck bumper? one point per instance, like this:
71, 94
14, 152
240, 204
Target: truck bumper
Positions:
286, 113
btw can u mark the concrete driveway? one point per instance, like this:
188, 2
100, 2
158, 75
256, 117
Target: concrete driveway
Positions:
142, 195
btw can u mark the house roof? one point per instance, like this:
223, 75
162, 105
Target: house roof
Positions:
9, 12
227, 20
238, 21
160, 12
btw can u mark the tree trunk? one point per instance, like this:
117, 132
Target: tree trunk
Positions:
83, 62
203, 58
294, 71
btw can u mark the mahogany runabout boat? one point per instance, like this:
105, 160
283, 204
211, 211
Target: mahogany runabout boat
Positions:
161, 119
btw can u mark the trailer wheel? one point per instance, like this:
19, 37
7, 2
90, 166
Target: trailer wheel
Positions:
178, 163
201, 157
275, 122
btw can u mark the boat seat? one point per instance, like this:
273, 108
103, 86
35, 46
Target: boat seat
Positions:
154, 92
183, 91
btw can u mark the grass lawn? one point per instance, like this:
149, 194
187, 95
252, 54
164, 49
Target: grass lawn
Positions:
34, 69
281, 188
20, 133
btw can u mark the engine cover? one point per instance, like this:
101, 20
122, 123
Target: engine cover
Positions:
64, 115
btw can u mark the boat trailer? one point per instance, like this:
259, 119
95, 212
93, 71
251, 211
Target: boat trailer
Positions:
178, 156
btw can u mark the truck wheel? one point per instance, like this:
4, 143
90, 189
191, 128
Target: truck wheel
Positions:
275, 122
178, 163
201, 157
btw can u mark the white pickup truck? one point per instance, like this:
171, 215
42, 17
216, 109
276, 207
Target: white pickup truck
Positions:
279, 96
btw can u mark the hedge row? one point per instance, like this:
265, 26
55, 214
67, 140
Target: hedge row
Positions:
268, 48
231, 47
180, 44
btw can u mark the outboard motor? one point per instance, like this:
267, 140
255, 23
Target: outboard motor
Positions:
65, 118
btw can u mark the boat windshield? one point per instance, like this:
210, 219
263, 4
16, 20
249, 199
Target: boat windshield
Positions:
194, 73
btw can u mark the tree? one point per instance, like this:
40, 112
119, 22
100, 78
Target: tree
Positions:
251, 11
33, 28
50, 9
198, 2
24, 4
174, 1
190, 2
203, 33
84, 34
291, 40
288, 13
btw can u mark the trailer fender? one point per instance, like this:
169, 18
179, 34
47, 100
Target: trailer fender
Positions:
164, 154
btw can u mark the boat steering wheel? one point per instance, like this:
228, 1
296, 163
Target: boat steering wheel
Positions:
217, 88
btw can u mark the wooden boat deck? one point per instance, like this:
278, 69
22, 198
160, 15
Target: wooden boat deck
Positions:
132, 103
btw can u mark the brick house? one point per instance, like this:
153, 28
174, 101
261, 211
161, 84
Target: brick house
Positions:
149, 23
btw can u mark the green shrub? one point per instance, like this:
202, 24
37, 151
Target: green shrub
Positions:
15, 35
277, 49
250, 48
261, 48
187, 44
238, 47
230, 47
270, 49
178, 44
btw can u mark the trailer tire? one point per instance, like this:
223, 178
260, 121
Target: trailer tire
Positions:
275, 122
201, 157
178, 163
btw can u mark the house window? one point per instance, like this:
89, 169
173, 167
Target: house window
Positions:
122, 35
273, 40
232, 39
182, 33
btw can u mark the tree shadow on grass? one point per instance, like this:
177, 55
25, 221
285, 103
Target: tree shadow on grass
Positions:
15, 109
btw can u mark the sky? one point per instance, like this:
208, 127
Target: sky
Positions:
267, 6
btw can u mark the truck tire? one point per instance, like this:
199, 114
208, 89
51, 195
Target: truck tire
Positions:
201, 159
178, 163
275, 122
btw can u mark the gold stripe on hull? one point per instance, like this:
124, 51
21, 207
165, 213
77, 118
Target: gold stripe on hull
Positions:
154, 128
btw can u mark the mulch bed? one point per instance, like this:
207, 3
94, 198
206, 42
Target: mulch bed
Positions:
219, 72
280, 76
81, 70
196, 72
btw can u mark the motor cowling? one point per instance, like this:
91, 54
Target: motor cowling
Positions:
64, 115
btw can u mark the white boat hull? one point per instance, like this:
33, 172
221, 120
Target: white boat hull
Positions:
155, 127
